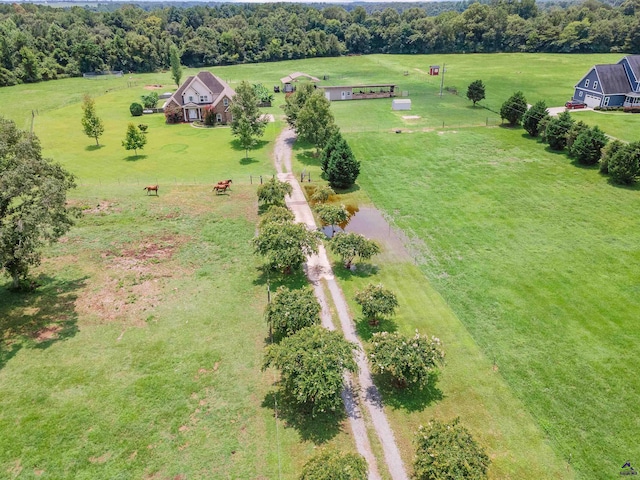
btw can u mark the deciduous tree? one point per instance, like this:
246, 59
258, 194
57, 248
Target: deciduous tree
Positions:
273, 191
311, 363
91, 123
475, 91
174, 61
134, 139
332, 214
376, 301
447, 450
286, 246
247, 124
292, 310
349, 245
335, 465
322, 194
295, 101
408, 361
33, 197
315, 123
276, 214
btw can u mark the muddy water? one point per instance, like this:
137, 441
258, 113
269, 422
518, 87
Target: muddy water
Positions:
370, 222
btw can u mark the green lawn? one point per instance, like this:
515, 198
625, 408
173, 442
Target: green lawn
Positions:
140, 354
537, 257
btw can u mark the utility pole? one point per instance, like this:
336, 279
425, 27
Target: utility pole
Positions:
442, 79
33, 116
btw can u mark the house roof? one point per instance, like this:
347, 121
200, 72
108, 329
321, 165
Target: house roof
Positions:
218, 87
634, 63
613, 79
295, 75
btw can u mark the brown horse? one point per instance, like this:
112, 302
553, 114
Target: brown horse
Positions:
151, 188
221, 188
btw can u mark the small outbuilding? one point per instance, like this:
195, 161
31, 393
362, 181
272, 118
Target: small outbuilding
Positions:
360, 92
401, 104
287, 82
434, 70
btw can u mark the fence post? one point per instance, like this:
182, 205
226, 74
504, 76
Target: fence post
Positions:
260, 179
250, 180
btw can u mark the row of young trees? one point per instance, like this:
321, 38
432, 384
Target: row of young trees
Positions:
588, 145
312, 360
40, 43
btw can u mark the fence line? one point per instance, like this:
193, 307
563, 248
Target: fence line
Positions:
247, 179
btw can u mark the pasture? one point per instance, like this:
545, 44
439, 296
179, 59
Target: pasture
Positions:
141, 351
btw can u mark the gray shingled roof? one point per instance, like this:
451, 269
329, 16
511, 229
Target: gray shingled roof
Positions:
613, 79
634, 61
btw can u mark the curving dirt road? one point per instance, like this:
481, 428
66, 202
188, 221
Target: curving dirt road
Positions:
318, 268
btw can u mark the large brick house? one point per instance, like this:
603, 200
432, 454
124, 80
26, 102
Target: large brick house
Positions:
201, 91
611, 85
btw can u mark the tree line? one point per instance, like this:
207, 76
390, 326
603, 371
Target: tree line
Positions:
39, 42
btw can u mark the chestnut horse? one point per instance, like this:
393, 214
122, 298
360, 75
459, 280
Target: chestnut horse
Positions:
221, 188
151, 188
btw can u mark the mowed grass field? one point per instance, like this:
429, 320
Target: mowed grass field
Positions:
538, 258
143, 346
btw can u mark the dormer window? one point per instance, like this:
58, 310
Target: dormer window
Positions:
586, 83
595, 85
225, 101
190, 98
203, 98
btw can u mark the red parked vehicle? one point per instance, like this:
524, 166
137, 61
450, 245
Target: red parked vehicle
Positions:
571, 104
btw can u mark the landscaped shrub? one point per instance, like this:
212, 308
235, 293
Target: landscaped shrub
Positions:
209, 117
150, 100
135, 109
143, 127
173, 114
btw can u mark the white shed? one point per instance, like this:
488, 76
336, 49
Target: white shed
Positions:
401, 104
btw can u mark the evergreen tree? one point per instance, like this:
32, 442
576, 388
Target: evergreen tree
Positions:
533, 116
475, 91
588, 145
343, 168
514, 108
328, 149
557, 129
93, 126
624, 164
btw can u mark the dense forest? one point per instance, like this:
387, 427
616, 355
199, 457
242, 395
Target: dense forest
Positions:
41, 42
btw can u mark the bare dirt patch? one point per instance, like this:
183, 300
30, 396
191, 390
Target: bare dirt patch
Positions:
411, 117
155, 86
104, 207
132, 283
